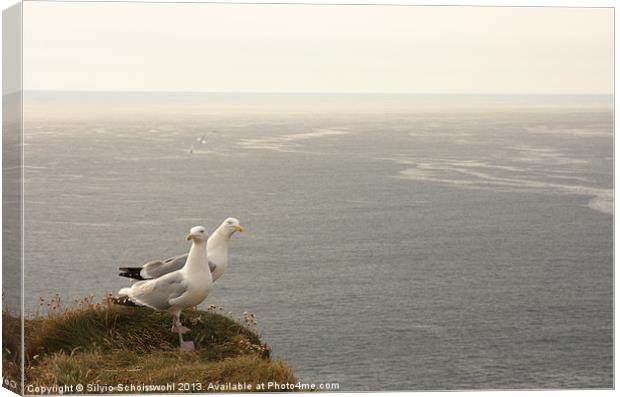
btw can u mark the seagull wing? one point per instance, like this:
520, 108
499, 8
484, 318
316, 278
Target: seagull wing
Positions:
158, 293
155, 269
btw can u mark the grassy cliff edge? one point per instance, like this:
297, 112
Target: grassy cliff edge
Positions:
107, 348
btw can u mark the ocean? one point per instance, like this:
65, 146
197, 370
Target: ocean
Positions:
394, 242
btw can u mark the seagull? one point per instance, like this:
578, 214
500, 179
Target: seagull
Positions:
217, 254
177, 290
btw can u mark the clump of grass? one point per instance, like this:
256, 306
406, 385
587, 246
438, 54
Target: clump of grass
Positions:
11, 348
100, 342
127, 367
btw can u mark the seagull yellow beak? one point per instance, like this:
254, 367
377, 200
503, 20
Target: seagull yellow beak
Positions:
239, 228
189, 237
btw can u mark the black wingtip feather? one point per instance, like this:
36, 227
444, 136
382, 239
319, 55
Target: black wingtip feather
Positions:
131, 272
124, 301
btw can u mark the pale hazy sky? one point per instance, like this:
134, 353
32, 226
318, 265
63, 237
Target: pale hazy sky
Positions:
305, 48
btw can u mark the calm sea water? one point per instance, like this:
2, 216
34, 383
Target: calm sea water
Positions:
392, 243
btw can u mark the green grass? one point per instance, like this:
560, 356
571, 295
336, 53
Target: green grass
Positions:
109, 344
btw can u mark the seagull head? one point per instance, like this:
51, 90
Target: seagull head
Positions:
232, 225
198, 234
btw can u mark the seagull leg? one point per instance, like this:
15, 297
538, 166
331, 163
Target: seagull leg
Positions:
175, 321
183, 330
177, 326
185, 345
180, 329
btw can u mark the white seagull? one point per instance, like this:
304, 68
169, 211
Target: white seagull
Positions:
217, 254
177, 290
